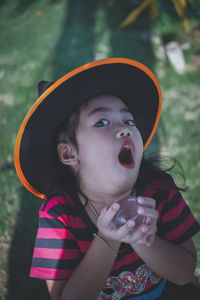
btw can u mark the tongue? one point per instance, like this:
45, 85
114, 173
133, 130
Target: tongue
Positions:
125, 157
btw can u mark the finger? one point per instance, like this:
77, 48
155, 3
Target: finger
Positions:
133, 236
108, 213
144, 228
144, 240
146, 201
128, 234
152, 229
126, 228
148, 212
149, 229
141, 239
103, 211
149, 240
148, 221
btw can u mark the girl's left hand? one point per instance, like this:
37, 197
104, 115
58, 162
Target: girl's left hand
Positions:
150, 227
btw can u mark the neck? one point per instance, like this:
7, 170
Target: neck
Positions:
100, 200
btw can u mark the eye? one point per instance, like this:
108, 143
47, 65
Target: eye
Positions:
130, 122
102, 123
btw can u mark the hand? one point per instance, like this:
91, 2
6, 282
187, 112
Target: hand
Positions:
143, 235
107, 232
150, 227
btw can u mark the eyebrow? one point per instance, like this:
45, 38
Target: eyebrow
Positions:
107, 109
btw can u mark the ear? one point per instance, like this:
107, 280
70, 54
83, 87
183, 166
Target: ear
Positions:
68, 154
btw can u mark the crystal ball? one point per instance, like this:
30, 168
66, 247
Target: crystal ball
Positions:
127, 211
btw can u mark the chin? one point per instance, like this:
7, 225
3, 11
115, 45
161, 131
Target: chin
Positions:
126, 182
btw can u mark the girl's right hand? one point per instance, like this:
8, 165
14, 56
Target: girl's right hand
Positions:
123, 233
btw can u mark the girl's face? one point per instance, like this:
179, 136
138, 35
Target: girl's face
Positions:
110, 146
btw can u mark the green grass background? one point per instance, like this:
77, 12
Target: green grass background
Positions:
44, 40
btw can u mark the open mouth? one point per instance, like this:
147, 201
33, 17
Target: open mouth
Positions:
125, 156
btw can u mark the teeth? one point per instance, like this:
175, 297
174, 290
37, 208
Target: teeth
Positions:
127, 147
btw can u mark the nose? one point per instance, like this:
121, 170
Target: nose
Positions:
123, 132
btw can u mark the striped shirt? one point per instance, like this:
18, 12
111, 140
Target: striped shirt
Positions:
65, 233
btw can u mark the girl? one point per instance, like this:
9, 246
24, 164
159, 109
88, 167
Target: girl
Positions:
80, 148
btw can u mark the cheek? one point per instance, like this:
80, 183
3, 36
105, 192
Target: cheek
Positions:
88, 147
139, 146
98, 150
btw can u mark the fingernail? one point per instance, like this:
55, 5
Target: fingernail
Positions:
105, 209
140, 200
115, 206
131, 223
141, 210
144, 229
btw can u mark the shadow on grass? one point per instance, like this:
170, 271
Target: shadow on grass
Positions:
20, 286
75, 45
2, 2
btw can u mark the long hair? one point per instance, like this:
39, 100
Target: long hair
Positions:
160, 167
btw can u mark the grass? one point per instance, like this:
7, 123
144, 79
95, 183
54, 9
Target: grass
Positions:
181, 114
179, 134
28, 38
44, 40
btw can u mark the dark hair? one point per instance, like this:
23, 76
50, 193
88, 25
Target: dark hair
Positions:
160, 167
63, 180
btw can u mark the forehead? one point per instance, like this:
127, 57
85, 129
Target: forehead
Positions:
107, 100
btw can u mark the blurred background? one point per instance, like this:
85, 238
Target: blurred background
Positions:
43, 40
